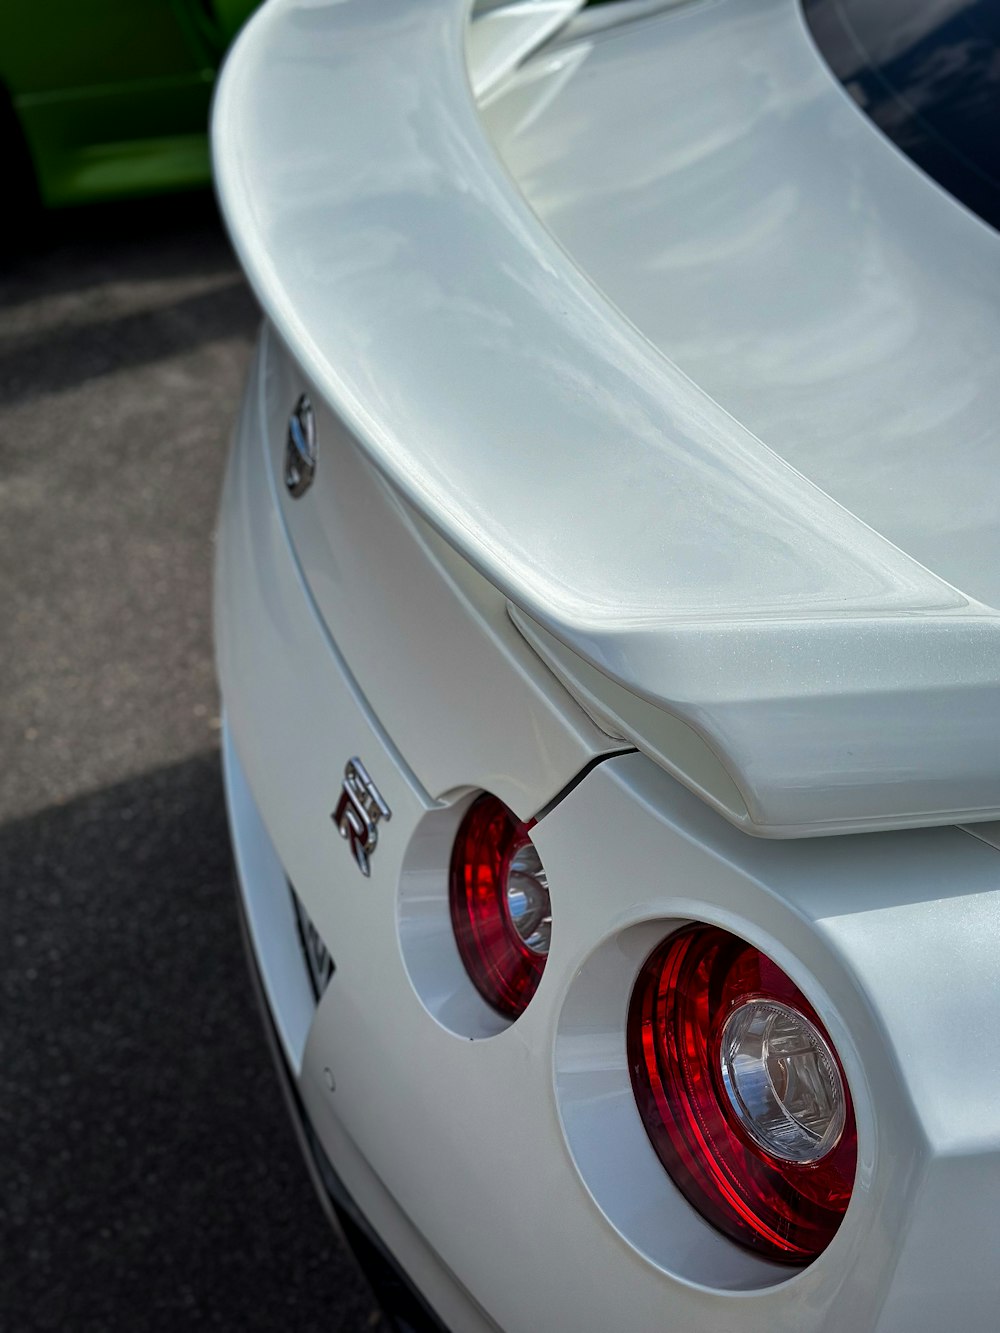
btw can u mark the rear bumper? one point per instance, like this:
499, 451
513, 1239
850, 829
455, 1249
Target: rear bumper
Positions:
397, 1295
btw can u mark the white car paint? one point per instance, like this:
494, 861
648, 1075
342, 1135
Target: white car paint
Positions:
505, 1164
512, 1170
504, 34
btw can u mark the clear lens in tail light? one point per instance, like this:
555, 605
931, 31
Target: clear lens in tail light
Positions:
500, 907
742, 1093
782, 1080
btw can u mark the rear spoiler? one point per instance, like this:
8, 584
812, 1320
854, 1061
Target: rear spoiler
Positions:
699, 595
503, 33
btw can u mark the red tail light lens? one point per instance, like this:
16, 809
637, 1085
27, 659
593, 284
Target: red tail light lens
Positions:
499, 906
742, 1093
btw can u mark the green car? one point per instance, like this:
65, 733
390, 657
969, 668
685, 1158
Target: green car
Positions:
100, 99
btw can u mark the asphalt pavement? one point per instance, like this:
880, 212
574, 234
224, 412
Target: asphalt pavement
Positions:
149, 1179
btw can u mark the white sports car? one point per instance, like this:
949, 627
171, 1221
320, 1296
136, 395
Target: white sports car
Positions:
613, 518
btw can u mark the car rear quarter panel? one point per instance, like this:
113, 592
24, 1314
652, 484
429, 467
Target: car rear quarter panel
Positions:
517, 1158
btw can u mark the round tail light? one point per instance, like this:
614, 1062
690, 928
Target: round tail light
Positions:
742, 1093
499, 906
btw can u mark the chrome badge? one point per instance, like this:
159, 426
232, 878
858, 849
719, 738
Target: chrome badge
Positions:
300, 448
358, 812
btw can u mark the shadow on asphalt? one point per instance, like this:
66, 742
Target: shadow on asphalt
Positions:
151, 1180
133, 228
66, 357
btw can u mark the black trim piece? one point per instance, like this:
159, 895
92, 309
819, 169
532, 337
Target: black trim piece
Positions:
403, 1306
575, 782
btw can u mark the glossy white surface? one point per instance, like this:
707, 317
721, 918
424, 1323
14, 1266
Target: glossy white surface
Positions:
785, 255
510, 1175
841, 683
439, 662
503, 34
269, 913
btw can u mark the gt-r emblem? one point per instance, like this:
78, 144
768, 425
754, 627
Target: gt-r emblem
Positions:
358, 812
300, 448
